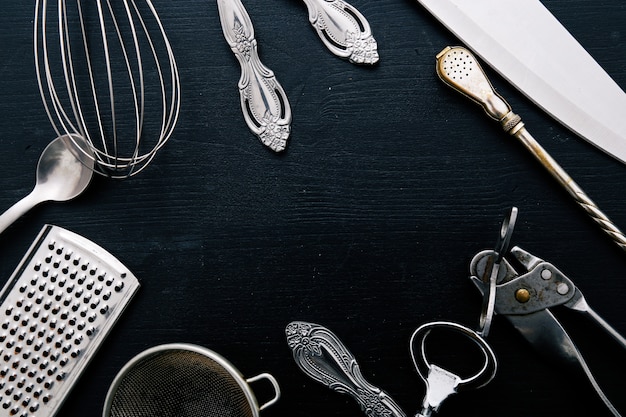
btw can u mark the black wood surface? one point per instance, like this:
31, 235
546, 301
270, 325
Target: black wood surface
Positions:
366, 224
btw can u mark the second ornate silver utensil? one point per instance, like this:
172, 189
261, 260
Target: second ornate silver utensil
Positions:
183, 380
264, 103
58, 307
344, 30
458, 68
322, 356
64, 170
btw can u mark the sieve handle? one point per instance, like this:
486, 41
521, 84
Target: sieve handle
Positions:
272, 381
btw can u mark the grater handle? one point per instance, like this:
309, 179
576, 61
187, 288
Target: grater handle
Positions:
18, 210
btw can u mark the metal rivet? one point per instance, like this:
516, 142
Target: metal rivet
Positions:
522, 295
562, 288
546, 274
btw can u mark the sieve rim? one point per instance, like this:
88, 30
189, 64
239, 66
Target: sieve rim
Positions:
156, 350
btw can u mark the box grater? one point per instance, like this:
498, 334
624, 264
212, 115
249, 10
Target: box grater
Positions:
55, 311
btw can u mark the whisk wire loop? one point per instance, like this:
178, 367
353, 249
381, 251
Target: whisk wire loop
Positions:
121, 87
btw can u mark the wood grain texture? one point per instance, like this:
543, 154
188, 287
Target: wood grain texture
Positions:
366, 224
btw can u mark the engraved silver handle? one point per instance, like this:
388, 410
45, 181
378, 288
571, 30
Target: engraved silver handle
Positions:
320, 355
344, 30
458, 68
264, 103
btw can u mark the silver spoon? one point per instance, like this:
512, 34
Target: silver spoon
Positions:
63, 172
323, 357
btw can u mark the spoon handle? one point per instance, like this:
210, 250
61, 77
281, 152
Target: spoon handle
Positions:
264, 102
18, 210
323, 357
344, 30
458, 68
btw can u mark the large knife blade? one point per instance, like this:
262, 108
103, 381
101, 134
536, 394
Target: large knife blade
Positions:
530, 48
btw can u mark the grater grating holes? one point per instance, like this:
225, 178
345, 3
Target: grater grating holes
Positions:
55, 308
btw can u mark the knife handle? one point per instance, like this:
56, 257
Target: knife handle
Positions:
344, 30
458, 68
264, 103
322, 356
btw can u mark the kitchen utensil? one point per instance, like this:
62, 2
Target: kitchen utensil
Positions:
183, 380
493, 270
526, 300
106, 71
458, 68
344, 30
441, 383
529, 47
264, 103
56, 310
323, 357
64, 171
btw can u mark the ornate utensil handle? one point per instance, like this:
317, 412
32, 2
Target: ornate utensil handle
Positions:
344, 30
264, 103
322, 356
458, 68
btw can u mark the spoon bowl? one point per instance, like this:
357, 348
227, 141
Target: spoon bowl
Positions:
64, 171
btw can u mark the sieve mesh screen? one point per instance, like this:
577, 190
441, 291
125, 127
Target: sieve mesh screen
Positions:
179, 383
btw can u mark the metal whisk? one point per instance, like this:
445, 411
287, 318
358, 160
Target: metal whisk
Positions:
106, 71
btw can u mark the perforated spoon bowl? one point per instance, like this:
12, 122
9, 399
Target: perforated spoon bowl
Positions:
64, 171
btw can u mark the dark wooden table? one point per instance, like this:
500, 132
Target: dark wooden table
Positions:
366, 224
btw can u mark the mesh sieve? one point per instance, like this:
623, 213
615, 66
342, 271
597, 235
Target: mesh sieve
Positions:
183, 381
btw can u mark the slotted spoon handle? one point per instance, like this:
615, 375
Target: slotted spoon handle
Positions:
458, 68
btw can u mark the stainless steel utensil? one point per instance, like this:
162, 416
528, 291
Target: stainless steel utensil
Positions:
529, 47
64, 170
490, 277
441, 383
106, 71
264, 103
323, 357
526, 298
56, 310
344, 30
458, 68
183, 380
